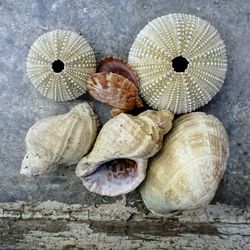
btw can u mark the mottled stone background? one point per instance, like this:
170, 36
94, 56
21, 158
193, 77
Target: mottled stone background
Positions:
111, 27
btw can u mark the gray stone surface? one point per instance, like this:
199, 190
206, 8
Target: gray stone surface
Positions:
111, 27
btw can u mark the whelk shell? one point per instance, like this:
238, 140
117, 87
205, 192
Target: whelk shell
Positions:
61, 139
118, 66
118, 161
59, 64
186, 172
114, 90
181, 62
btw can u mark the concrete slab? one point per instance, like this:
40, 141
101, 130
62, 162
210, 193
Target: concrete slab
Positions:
111, 27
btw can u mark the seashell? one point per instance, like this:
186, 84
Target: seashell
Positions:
118, 161
114, 90
118, 66
61, 139
181, 62
59, 64
186, 172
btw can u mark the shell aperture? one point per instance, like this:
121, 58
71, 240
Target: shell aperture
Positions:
113, 176
118, 161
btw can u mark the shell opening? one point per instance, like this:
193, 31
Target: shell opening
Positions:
180, 64
113, 176
58, 66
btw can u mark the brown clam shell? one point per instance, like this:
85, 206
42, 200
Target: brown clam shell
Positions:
118, 66
114, 90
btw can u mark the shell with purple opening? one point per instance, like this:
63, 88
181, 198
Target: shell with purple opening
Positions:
118, 161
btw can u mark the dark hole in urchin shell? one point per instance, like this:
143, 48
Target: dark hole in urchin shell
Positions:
180, 64
58, 66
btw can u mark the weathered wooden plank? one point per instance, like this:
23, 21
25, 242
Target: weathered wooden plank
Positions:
54, 225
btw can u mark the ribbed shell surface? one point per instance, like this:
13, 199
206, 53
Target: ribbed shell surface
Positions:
186, 172
166, 38
76, 55
64, 138
127, 136
61, 139
124, 137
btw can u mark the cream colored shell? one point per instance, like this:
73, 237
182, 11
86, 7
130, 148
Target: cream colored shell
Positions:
61, 139
186, 172
76, 55
166, 38
126, 137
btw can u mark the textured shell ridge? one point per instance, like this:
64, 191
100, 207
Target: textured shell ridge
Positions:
60, 139
113, 89
71, 121
129, 130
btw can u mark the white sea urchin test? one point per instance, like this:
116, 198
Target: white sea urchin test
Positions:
59, 63
181, 62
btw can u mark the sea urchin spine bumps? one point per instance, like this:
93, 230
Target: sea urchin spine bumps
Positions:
59, 63
181, 62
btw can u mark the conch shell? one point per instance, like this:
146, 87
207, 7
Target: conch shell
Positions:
118, 161
61, 139
186, 172
114, 90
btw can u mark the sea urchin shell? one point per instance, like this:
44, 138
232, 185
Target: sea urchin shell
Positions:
181, 62
59, 63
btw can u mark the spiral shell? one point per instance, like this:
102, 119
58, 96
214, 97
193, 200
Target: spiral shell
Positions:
181, 62
59, 64
186, 172
61, 139
117, 163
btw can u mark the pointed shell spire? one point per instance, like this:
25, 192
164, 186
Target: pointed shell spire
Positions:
59, 64
118, 161
181, 62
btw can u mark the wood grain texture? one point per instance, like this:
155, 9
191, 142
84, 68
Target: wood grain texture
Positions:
54, 225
